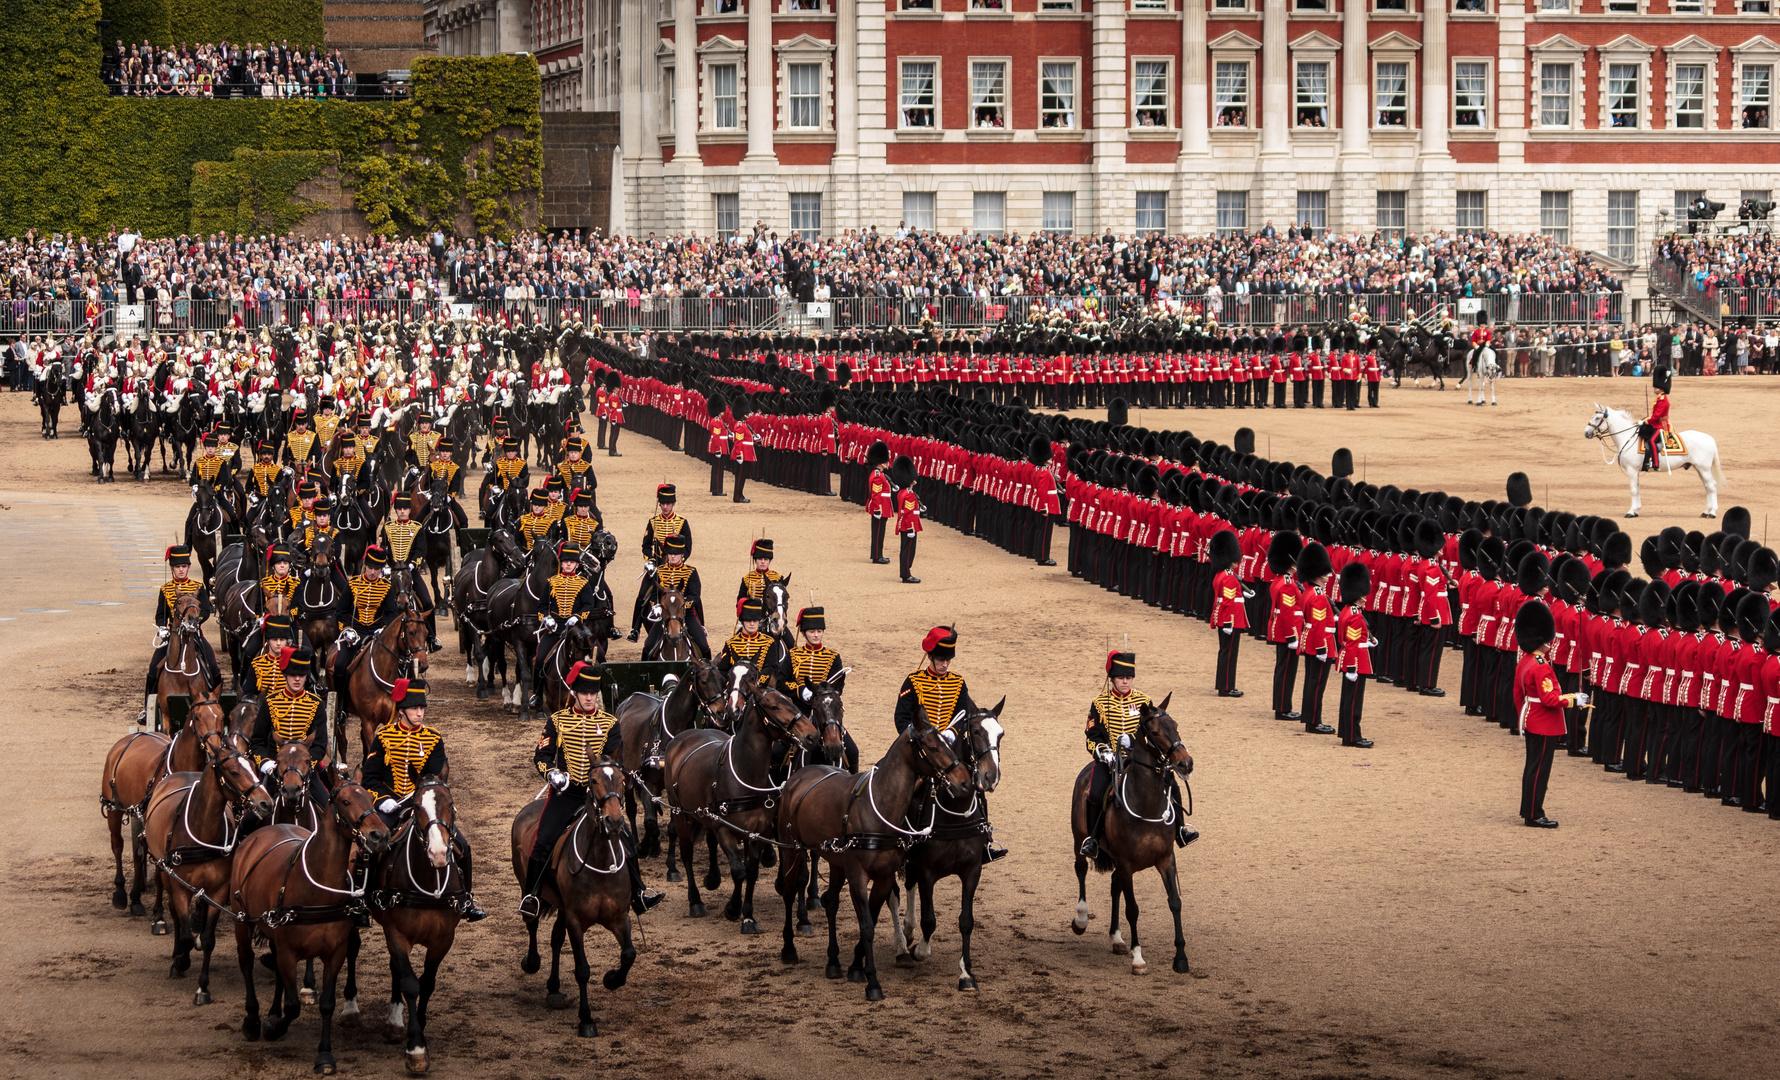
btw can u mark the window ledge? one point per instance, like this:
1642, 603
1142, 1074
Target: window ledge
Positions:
1471, 16
737, 17
1152, 134
719, 137
1233, 134
1231, 16
1061, 135
1395, 131
1059, 15
918, 16
1470, 135
991, 16
1316, 134
990, 134
804, 16
919, 135
803, 136
1395, 16
1662, 135
1153, 16
1315, 16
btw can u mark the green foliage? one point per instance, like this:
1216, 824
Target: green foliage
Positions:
136, 21
241, 21
466, 148
256, 191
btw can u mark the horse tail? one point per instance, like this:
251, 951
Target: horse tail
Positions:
1718, 467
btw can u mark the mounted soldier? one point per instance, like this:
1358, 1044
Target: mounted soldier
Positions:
1113, 718
748, 645
179, 563
1656, 430
802, 669
289, 712
571, 601
371, 607
405, 541
664, 524
265, 672
678, 574
937, 693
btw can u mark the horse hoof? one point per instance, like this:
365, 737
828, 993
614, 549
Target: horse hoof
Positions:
416, 1061
1140, 969
181, 964
855, 974
966, 983
531, 964
749, 926
394, 1033
1119, 948
613, 979
306, 996
805, 930
904, 960
250, 1029
556, 1001
695, 911
1181, 967
1708, 515
119, 900
788, 955
874, 993
1633, 514
324, 1065
202, 997
158, 928
675, 876
589, 1030
137, 911
834, 970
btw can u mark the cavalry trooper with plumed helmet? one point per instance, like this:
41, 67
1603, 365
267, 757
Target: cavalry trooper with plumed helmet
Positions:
755, 581
574, 741
1113, 719
664, 524
289, 713
937, 692
571, 600
179, 563
674, 573
401, 750
262, 674
810, 664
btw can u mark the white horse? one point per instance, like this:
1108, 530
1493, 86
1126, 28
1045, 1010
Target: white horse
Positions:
1618, 429
1480, 364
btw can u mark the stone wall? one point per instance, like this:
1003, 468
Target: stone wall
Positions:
580, 149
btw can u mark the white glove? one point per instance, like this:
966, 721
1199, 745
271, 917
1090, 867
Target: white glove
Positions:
549, 622
387, 806
160, 636
267, 766
1124, 742
649, 567
655, 612
1248, 594
1581, 699
807, 695
1226, 629
1351, 676
1105, 754
573, 619
559, 780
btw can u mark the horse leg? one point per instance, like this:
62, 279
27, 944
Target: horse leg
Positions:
789, 886
810, 896
1631, 475
285, 1002
1116, 935
531, 963
902, 924
868, 911
1080, 923
114, 824
1138, 967
738, 871
554, 998
157, 925
1711, 485
250, 1023
695, 907
1171, 881
204, 920
713, 877
416, 1051
349, 1014
395, 1023
831, 903
578, 941
306, 996
750, 876
182, 935
967, 921
652, 816
929, 920
324, 1051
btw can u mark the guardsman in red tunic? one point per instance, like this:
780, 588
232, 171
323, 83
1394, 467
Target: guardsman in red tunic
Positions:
1318, 370
718, 447
1374, 376
879, 502
1656, 425
1228, 615
614, 411
1300, 380
743, 439
1283, 619
1540, 707
1353, 643
908, 515
1316, 634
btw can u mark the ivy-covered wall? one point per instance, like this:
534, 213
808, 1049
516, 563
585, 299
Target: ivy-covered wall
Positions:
199, 22
256, 190
464, 152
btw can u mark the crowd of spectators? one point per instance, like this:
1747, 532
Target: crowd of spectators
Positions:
253, 271
227, 70
1750, 260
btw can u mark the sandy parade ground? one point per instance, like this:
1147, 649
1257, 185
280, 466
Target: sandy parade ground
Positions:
1349, 913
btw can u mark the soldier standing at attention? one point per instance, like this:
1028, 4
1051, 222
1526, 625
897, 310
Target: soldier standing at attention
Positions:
878, 501
1282, 620
1316, 634
1354, 641
908, 516
1228, 613
1541, 707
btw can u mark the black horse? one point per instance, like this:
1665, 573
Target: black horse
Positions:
50, 390
102, 435
141, 427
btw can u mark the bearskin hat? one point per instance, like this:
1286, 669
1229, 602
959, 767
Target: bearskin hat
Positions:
1533, 626
1282, 552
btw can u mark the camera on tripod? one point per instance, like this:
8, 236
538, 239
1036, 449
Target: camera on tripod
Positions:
1755, 210
1700, 213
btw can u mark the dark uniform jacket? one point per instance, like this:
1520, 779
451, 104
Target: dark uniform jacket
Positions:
573, 741
283, 718
396, 754
940, 696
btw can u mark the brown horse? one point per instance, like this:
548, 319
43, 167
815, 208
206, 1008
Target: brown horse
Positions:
416, 901
294, 884
858, 824
578, 643
588, 885
645, 723
955, 846
723, 782
1139, 830
132, 766
675, 643
191, 834
182, 672
398, 651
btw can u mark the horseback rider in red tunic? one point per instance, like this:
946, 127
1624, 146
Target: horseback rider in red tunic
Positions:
1657, 424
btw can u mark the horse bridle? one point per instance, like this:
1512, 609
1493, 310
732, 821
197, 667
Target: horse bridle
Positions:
1161, 753
354, 826
223, 752
404, 660
926, 757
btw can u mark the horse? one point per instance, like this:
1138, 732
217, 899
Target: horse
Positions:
675, 643
440, 515
1619, 430
132, 767
398, 651
1139, 830
182, 670
775, 597
857, 825
418, 886
48, 394
205, 525
645, 723
191, 836
954, 848
142, 425
294, 884
1417, 347
827, 712
356, 524
502, 508
578, 643
513, 609
102, 434
588, 885
722, 781
1480, 364
481, 570
181, 431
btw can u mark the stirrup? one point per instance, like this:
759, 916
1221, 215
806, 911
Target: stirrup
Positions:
530, 907
645, 900
1185, 835
1090, 847
993, 852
